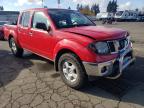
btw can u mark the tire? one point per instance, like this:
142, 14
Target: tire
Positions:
17, 51
71, 70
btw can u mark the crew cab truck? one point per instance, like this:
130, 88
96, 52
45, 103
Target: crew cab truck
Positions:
75, 44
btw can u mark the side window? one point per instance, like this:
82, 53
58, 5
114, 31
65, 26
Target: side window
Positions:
39, 19
25, 18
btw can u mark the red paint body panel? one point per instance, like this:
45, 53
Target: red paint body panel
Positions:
75, 39
99, 32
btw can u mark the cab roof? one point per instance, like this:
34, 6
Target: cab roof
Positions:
43, 9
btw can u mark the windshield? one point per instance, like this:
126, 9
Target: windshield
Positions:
119, 13
69, 18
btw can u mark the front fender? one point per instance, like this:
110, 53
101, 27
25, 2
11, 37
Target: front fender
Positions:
80, 50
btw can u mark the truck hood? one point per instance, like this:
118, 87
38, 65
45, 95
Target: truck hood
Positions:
97, 32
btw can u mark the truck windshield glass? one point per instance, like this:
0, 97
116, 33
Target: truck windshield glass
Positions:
69, 18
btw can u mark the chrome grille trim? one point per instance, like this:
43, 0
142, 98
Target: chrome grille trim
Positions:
117, 45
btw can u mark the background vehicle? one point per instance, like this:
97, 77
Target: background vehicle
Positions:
1, 29
105, 17
126, 15
10, 16
140, 18
74, 43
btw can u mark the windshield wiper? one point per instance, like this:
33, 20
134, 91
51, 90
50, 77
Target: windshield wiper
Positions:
83, 25
80, 25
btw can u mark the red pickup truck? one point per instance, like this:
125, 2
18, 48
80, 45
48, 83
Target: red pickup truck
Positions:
78, 48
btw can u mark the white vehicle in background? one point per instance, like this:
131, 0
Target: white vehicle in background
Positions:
140, 18
126, 15
104, 15
98, 16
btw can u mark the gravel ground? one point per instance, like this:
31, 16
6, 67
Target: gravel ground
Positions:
31, 82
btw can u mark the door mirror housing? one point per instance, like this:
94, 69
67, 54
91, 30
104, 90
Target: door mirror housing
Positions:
49, 28
43, 26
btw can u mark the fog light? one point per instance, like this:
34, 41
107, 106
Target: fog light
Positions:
104, 69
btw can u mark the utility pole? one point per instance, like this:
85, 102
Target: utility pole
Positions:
58, 3
42, 3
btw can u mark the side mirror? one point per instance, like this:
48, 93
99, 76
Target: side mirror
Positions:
49, 28
42, 26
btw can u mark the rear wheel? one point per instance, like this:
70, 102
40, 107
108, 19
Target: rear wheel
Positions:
72, 71
17, 51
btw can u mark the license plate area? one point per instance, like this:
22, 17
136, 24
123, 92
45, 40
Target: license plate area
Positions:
127, 58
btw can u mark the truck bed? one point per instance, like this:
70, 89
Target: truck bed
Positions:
9, 29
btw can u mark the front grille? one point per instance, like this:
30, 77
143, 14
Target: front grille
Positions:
111, 46
118, 45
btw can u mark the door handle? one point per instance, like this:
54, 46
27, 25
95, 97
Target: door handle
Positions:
19, 29
30, 33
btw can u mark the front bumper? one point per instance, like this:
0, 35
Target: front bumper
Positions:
113, 68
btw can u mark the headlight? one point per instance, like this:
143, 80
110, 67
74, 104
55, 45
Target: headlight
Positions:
100, 47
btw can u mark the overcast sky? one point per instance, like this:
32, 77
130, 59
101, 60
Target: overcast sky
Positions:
25, 4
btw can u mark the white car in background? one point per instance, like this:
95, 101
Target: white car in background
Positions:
104, 15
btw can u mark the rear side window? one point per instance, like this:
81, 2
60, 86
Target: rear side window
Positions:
40, 17
25, 18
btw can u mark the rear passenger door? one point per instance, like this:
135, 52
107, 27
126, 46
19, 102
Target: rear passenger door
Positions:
23, 30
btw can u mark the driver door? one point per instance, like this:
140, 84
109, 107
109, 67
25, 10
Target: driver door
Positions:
41, 40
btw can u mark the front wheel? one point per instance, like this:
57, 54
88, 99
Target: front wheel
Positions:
72, 71
17, 51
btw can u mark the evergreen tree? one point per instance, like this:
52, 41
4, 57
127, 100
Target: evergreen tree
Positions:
98, 9
81, 7
78, 7
112, 6
69, 8
87, 7
95, 9
109, 6
137, 9
1, 8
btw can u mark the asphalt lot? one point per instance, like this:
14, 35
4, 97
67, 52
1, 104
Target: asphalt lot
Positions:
31, 82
